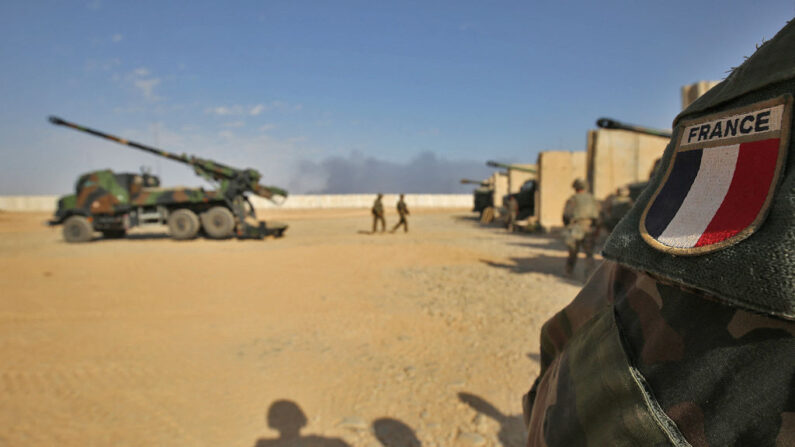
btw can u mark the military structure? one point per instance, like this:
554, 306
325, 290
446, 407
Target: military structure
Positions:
112, 203
483, 195
522, 183
618, 203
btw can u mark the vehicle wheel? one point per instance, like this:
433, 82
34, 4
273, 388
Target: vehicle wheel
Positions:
114, 234
218, 222
183, 224
77, 229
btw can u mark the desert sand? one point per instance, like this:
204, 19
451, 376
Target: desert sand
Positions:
330, 335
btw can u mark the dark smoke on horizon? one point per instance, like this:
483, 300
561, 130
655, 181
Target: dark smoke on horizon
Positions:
358, 174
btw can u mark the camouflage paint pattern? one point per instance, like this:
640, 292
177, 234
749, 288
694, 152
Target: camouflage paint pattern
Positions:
635, 361
99, 192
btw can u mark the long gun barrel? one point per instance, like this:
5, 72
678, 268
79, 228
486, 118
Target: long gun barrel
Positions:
466, 181
240, 180
495, 164
607, 123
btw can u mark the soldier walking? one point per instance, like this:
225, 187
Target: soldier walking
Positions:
403, 211
378, 213
580, 217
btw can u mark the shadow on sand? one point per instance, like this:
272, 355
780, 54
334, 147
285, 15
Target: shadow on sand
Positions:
286, 417
512, 431
394, 433
552, 265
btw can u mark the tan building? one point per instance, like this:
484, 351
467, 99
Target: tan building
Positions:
557, 170
500, 182
619, 157
692, 92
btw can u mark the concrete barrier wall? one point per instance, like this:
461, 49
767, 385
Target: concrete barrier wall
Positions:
557, 170
618, 157
48, 203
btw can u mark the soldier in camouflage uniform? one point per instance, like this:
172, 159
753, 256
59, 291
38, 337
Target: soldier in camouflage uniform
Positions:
580, 216
403, 211
686, 333
378, 213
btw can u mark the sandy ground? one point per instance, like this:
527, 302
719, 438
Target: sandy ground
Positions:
428, 337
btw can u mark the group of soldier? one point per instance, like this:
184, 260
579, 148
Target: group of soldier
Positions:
378, 214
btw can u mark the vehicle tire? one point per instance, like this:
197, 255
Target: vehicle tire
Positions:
218, 222
77, 229
114, 234
183, 224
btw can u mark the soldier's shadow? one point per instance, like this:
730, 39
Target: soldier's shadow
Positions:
543, 242
551, 265
286, 417
394, 433
512, 431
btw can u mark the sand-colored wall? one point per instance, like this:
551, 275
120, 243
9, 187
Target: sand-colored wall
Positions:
619, 157
500, 182
48, 203
516, 178
556, 172
692, 92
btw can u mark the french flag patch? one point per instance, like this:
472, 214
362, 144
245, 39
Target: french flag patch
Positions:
721, 179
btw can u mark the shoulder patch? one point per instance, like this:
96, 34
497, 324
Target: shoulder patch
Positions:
720, 182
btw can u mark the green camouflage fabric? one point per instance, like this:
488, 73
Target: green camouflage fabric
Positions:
580, 214
402, 208
580, 206
636, 361
378, 207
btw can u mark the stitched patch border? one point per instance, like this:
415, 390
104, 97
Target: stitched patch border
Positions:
677, 219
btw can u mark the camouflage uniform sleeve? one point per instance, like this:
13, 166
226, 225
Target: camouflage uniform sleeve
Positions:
633, 361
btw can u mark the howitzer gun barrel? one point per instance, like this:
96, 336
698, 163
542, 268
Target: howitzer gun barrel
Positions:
238, 181
467, 181
495, 164
607, 123
60, 122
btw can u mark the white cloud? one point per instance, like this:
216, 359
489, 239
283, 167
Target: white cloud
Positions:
147, 87
116, 38
141, 71
235, 124
254, 110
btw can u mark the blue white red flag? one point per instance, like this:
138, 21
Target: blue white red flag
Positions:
720, 182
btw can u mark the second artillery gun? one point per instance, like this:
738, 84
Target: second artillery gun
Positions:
524, 198
483, 195
112, 203
618, 204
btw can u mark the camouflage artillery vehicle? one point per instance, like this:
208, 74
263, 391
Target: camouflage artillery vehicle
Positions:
616, 205
112, 203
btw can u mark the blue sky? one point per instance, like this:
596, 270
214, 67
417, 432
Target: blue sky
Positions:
275, 85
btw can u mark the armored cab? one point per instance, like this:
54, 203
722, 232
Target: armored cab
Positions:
112, 203
482, 195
